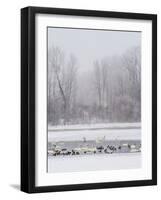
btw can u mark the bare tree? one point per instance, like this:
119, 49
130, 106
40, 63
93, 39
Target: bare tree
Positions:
56, 81
113, 89
61, 82
132, 63
70, 84
97, 81
118, 86
101, 86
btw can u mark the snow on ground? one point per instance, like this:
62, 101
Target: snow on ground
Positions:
114, 131
95, 126
94, 162
110, 134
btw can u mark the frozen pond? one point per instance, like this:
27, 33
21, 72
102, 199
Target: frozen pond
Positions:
94, 162
110, 134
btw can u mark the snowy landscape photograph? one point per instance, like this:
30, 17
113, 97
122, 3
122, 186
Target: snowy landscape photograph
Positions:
93, 99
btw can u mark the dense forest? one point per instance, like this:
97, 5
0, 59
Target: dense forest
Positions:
110, 91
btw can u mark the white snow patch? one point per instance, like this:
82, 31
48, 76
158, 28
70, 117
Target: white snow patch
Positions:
94, 162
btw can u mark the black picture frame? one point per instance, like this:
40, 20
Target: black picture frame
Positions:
28, 91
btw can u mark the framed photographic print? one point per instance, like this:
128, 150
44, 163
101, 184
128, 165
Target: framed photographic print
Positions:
88, 99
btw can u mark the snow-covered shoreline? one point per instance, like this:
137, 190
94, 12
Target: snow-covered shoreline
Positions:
134, 125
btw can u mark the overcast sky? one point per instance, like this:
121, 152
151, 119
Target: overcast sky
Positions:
89, 45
